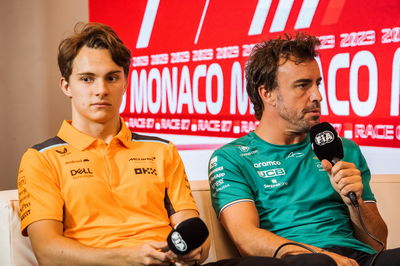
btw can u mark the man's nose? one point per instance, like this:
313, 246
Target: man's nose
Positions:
102, 87
315, 94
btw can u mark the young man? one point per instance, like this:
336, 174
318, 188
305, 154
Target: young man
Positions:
97, 194
268, 187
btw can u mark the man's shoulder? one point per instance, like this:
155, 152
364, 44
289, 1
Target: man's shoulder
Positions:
348, 143
242, 144
148, 138
49, 143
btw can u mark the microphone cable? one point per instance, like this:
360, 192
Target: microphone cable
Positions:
353, 199
293, 244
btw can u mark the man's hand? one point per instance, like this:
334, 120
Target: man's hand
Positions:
340, 260
150, 254
191, 258
345, 178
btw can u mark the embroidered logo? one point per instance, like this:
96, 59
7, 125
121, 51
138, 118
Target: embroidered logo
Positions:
244, 148
64, 151
81, 172
145, 171
295, 155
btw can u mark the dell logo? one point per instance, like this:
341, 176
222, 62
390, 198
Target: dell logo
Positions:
81, 171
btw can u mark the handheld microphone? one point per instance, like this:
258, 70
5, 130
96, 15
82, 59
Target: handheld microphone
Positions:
327, 145
187, 236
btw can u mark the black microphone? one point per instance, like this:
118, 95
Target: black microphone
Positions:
187, 236
327, 145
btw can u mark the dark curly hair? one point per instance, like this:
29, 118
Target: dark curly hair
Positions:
265, 59
92, 35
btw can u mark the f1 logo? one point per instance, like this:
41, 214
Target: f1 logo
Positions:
284, 9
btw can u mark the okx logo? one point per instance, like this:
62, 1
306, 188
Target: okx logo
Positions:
145, 171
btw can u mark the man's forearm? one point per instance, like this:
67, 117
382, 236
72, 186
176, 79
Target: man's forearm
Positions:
373, 222
64, 251
52, 248
260, 242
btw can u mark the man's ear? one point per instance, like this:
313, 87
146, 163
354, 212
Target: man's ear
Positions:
64, 85
267, 96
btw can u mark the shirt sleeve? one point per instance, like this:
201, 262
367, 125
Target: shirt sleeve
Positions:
178, 193
228, 184
38, 192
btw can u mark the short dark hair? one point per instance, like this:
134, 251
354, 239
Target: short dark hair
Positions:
92, 35
265, 59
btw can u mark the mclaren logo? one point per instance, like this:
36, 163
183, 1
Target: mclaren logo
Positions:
145, 171
135, 159
178, 241
324, 137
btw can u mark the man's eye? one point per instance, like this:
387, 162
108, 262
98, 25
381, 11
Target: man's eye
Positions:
113, 78
302, 85
86, 79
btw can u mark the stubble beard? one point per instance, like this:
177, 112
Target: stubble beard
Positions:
297, 121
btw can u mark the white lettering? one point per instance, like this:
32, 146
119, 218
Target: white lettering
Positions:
338, 61
199, 106
394, 99
267, 163
185, 91
364, 108
374, 132
138, 92
154, 75
169, 90
238, 90
214, 70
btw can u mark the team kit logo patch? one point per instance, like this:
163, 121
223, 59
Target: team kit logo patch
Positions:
146, 171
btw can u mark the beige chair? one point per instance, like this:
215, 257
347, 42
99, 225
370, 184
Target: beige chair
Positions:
221, 247
15, 250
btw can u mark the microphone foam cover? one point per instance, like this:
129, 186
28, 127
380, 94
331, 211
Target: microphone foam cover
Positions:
187, 236
326, 143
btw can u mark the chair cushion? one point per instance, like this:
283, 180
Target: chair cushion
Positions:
15, 249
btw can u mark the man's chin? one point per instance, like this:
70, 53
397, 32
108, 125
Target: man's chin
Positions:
313, 122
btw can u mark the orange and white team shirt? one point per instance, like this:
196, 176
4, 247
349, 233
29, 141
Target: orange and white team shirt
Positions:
115, 195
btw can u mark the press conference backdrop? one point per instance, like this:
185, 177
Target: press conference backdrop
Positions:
187, 73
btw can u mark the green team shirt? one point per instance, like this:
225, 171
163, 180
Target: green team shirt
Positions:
289, 188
